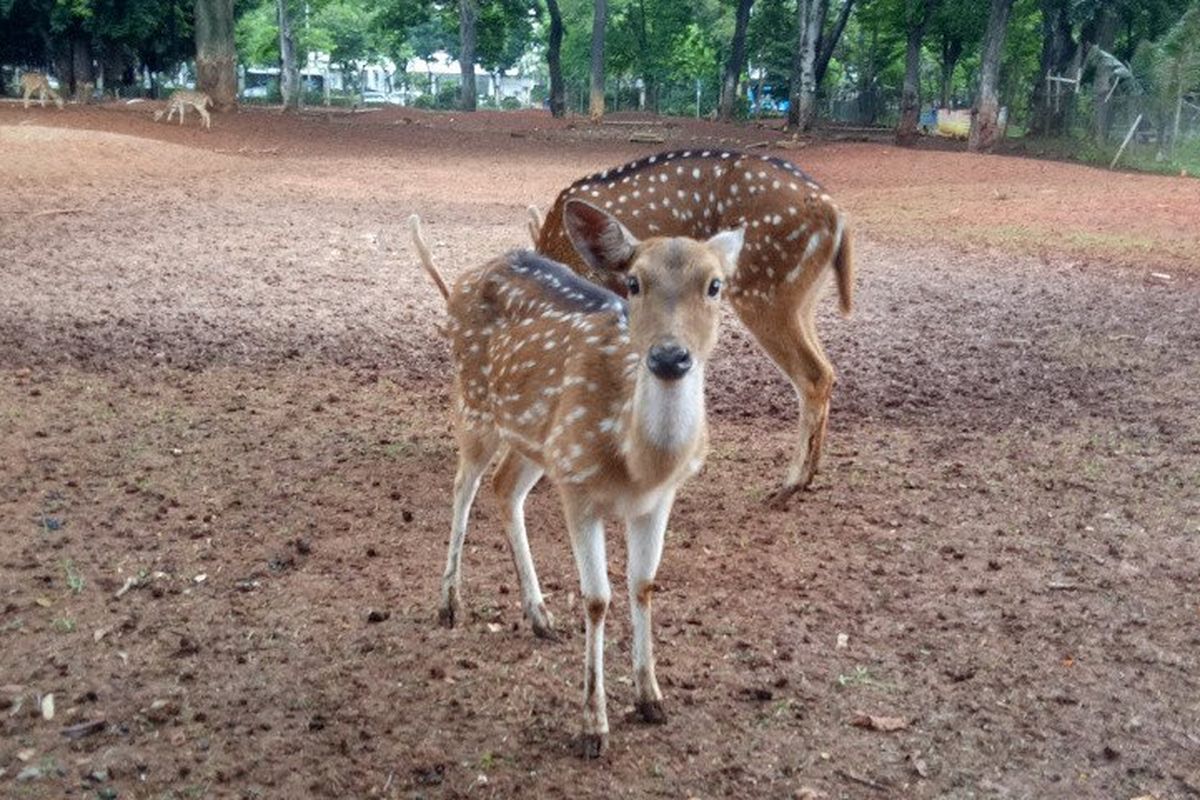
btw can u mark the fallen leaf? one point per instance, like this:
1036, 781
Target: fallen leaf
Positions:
48, 707
26, 754
874, 723
843, 641
82, 729
44, 602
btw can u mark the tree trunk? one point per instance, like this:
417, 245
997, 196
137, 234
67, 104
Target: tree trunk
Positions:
289, 71
558, 105
985, 117
737, 61
803, 104
467, 13
1105, 36
596, 99
81, 66
1048, 115
952, 48
1179, 84
910, 95
216, 54
829, 42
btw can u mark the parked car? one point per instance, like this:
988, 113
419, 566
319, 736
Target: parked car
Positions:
373, 97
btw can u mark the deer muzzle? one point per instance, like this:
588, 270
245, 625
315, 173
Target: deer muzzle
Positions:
669, 362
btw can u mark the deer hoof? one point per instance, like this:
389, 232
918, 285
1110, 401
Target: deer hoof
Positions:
651, 712
543, 623
593, 745
450, 610
778, 499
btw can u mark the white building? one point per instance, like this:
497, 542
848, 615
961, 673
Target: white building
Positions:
381, 79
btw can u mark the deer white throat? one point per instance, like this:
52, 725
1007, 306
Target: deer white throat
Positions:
669, 415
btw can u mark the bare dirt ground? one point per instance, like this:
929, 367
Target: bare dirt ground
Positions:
221, 390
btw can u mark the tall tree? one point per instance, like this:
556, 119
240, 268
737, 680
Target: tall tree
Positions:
1106, 33
956, 27
289, 70
596, 98
830, 39
1046, 107
810, 15
916, 18
1180, 57
468, 12
216, 53
558, 103
736, 62
985, 116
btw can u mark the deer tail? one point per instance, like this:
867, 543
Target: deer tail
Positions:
843, 265
535, 225
414, 224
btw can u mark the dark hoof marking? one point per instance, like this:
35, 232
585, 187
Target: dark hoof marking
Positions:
546, 632
778, 499
651, 712
542, 622
592, 745
447, 616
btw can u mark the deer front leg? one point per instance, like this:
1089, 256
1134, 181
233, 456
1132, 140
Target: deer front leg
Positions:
644, 543
587, 542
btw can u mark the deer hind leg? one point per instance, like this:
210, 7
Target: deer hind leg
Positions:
474, 454
789, 336
515, 477
644, 544
587, 542
205, 117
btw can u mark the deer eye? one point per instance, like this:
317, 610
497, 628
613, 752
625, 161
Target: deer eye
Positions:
632, 284
714, 287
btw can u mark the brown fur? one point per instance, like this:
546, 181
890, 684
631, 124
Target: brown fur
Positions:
596, 609
32, 82
556, 376
180, 100
795, 240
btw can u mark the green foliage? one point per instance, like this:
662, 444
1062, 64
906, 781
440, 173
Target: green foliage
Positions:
505, 31
257, 35
1021, 61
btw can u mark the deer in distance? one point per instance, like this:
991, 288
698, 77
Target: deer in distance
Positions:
32, 82
180, 100
796, 240
557, 376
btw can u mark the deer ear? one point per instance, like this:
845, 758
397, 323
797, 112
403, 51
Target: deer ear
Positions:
728, 245
604, 243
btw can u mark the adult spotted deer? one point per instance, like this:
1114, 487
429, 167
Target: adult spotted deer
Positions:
36, 82
180, 100
795, 240
560, 377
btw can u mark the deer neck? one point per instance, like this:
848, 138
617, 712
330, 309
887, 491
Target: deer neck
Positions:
666, 425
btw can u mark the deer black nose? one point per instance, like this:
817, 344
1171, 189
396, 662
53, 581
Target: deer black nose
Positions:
669, 361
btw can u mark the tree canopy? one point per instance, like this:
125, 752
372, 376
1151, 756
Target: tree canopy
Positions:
659, 52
